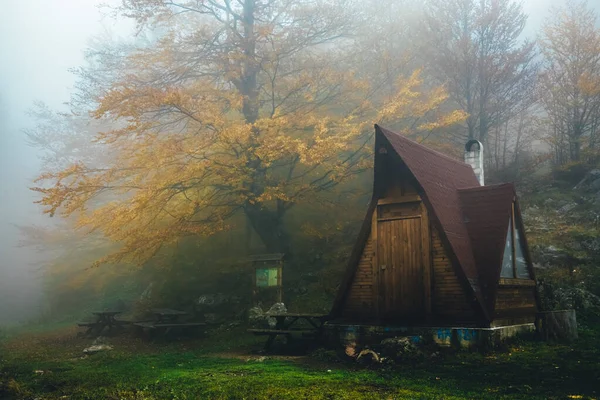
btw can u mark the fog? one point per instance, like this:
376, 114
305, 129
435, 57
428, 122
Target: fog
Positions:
40, 40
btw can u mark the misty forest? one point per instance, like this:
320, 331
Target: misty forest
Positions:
300, 199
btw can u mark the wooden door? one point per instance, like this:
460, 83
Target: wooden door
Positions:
401, 269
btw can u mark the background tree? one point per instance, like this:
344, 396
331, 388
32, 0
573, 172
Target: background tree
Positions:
570, 82
475, 48
241, 107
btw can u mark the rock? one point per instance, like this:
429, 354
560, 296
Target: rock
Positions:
277, 308
591, 245
255, 313
590, 176
552, 255
368, 356
256, 317
216, 299
97, 349
595, 185
553, 252
566, 208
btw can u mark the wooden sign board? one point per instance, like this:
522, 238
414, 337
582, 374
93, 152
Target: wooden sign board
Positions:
267, 277
267, 274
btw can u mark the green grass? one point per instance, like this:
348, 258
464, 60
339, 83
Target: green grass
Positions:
222, 367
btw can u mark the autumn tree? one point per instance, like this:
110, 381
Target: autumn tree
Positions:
241, 108
476, 48
570, 81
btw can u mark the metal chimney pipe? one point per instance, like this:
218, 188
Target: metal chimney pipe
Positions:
474, 157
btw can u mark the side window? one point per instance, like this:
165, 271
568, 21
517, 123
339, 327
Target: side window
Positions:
521, 263
514, 264
507, 259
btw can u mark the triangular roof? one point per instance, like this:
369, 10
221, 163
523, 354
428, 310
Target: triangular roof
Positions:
472, 219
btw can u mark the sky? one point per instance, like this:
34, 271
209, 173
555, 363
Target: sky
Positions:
39, 41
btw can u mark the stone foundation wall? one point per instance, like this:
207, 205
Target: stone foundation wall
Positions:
464, 338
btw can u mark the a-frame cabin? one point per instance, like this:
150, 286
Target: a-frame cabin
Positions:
436, 248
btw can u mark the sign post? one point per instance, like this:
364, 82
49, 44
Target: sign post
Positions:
267, 276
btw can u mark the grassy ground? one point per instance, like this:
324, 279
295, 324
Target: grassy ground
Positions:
224, 366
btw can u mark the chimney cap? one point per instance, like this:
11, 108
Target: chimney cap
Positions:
471, 142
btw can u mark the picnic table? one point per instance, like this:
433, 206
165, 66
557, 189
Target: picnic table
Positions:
103, 319
165, 320
284, 326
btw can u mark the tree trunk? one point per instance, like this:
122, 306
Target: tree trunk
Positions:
557, 325
266, 223
270, 228
249, 87
520, 130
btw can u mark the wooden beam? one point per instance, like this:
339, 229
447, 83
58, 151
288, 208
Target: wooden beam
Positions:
512, 238
397, 218
516, 282
426, 260
399, 200
375, 265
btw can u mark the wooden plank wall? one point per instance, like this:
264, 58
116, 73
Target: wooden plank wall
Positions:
515, 298
449, 297
359, 301
514, 305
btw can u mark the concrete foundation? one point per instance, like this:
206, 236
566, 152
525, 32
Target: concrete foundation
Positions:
457, 337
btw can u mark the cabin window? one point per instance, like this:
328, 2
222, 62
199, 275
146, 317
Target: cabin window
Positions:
514, 263
520, 262
507, 259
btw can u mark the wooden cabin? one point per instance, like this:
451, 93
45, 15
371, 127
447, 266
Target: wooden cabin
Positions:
436, 248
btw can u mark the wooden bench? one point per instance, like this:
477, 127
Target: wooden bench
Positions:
162, 329
314, 330
303, 332
154, 325
116, 322
104, 319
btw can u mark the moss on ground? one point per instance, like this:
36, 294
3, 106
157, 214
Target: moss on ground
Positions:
221, 366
